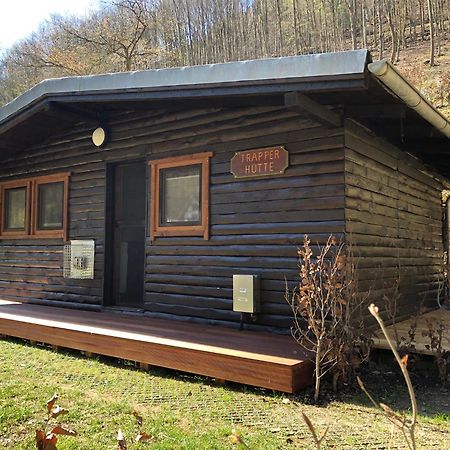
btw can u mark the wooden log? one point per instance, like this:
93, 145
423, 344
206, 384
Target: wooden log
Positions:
262, 231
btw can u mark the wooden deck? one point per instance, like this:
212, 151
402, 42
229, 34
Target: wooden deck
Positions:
426, 324
258, 359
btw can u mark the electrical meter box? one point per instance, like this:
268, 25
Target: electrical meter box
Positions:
246, 293
79, 259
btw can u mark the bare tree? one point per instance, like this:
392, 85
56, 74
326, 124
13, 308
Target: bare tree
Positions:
141, 34
118, 31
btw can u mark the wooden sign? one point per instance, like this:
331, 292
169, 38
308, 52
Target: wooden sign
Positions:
260, 162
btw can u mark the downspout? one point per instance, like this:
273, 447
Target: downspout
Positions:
393, 80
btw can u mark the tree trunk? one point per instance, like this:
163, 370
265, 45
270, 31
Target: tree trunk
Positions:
380, 29
432, 43
294, 13
422, 20
363, 23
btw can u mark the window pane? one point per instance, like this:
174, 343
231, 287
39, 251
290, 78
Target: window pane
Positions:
51, 202
15, 206
180, 195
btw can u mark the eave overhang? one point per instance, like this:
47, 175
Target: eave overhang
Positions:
309, 72
346, 82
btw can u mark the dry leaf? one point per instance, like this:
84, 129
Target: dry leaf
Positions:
138, 418
122, 443
235, 438
404, 360
142, 437
50, 442
63, 431
58, 411
44, 442
40, 439
51, 402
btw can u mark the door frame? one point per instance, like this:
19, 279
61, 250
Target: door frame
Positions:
108, 266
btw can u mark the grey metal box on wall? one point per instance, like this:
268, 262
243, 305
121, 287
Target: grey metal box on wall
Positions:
79, 259
246, 293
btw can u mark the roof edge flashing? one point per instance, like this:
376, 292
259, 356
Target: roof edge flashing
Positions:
220, 75
391, 78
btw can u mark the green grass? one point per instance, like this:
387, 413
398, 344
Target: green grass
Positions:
180, 411
100, 398
439, 419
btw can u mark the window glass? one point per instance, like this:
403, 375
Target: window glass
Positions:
50, 206
180, 195
15, 208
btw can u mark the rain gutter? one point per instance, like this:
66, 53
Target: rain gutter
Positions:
388, 75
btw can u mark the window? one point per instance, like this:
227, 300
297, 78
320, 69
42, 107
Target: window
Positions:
15, 208
180, 196
35, 207
51, 206
15, 213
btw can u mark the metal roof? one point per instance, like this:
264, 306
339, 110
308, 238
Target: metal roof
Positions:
262, 71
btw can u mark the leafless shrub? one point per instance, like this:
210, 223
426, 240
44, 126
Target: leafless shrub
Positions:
407, 426
442, 287
326, 308
47, 436
435, 332
317, 439
142, 436
391, 305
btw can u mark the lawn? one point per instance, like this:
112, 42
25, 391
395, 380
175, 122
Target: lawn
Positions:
186, 412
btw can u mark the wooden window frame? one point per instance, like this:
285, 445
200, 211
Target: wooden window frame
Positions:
32, 207
48, 179
155, 227
15, 234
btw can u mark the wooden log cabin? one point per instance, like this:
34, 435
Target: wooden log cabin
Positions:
130, 200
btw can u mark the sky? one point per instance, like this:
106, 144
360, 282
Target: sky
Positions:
19, 18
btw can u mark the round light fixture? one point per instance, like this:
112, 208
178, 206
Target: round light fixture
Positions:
99, 136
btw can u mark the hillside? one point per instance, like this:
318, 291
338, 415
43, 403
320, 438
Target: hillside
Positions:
433, 82
128, 35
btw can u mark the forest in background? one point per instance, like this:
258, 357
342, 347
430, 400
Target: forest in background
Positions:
125, 35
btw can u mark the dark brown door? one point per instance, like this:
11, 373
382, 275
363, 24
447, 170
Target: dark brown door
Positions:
128, 234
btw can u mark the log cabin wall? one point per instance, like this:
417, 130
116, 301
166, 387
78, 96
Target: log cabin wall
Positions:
255, 224
393, 221
31, 270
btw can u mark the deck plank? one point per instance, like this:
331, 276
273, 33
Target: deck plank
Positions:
254, 358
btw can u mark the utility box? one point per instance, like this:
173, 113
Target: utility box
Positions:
246, 293
79, 259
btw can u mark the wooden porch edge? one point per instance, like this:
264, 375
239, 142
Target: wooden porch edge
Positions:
281, 375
